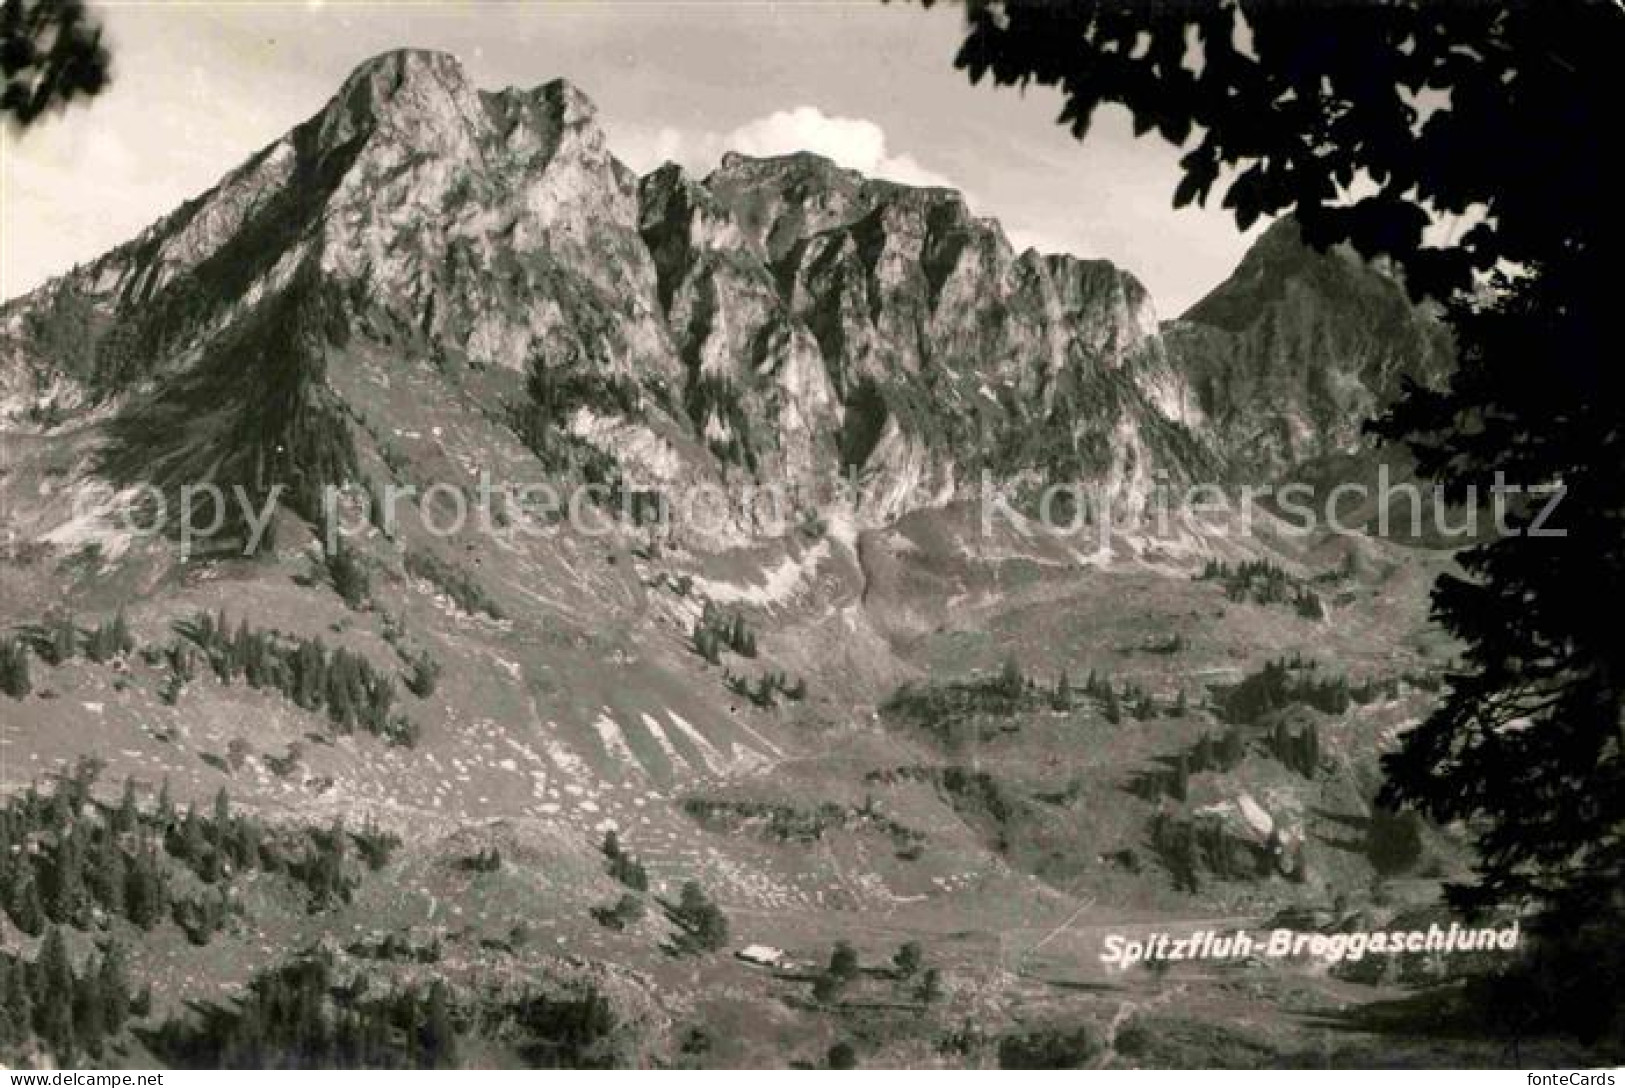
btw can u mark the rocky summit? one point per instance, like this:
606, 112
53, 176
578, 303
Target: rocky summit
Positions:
611, 789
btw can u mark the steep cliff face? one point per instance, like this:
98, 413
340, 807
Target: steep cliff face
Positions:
948, 352
783, 320
756, 387
1290, 355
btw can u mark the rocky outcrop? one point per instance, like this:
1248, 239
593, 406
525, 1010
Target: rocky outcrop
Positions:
758, 390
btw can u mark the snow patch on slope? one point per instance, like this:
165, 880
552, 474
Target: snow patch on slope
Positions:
614, 742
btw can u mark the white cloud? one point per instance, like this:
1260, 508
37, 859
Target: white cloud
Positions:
853, 142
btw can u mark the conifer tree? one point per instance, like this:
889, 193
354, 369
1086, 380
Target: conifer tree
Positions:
190, 843
164, 811
705, 924
14, 678
89, 1011
106, 874
349, 575
1232, 749
439, 1032
706, 643
1061, 697
1011, 682
127, 818
26, 907
222, 814
423, 675
69, 898
145, 894
110, 639
843, 961
16, 1005
61, 640
909, 959
1112, 710
53, 996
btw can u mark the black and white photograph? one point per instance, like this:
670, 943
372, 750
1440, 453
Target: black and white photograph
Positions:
831, 535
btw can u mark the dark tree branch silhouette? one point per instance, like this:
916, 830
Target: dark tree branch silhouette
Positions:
51, 52
1366, 122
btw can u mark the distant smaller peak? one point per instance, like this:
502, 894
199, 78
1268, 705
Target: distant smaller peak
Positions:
572, 102
667, 180
668, 170
670, 177
734, 161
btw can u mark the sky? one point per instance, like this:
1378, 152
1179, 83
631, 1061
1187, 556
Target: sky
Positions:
200, 86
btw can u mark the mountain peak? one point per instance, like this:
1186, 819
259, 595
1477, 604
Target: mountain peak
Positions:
403, 88
403, 76
400, 66
1298, 347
